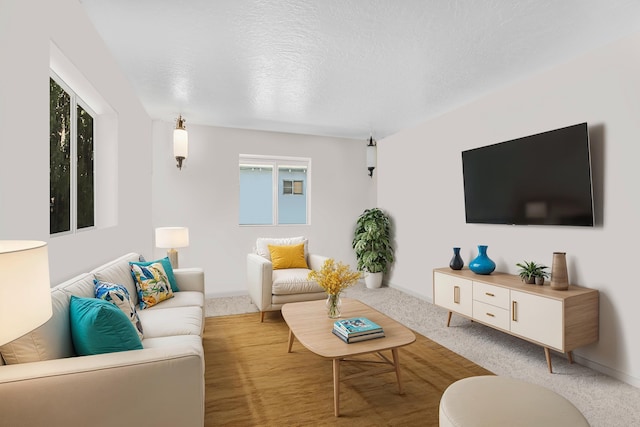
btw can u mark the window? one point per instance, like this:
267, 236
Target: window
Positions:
71, 152
292, 187
274, 190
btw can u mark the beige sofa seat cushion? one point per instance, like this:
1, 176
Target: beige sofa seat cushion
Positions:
171, 321
180, 299
293, 281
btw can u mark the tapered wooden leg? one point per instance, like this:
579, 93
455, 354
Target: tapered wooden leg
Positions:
261, 316
449, 318
396, 363
290, 341
336, 387
570, 356
547, 354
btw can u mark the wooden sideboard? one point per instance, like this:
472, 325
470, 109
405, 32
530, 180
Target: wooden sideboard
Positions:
558, 320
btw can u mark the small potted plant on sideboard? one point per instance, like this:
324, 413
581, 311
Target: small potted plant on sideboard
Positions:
532, 272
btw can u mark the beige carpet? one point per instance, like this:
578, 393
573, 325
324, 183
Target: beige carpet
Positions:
251, 380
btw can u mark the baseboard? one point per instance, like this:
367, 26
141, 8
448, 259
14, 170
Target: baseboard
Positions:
226, 294
613, 373
410, 292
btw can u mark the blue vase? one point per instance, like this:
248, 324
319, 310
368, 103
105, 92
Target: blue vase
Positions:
456, 262
482, 264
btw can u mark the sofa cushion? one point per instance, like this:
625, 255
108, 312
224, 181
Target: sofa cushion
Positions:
50, 341
289, 256
98, 326
181, 299
293, 281
152, 284
164, 322
262, 244
118, 271
118, 295
168, 268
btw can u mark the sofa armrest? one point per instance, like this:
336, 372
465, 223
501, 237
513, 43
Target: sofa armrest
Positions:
316, 261
259, 280
66, 392
190, 279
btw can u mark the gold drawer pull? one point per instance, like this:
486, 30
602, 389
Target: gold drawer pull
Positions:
490, 315
456, 294
489, 294
514, 307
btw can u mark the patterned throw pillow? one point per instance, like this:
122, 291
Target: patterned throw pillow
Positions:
152, 284
118, 295
168, 268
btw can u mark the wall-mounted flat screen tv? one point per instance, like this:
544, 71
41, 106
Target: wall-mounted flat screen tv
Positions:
542, 179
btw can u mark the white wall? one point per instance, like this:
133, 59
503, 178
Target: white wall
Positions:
601, 88
204, 197
26, 29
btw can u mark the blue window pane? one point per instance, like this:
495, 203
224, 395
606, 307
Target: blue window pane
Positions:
256, 200
292, 204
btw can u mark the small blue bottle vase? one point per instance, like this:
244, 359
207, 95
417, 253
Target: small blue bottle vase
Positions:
482, 264
456, 262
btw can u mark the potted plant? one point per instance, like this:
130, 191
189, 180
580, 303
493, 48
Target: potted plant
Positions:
531, 272
372, 244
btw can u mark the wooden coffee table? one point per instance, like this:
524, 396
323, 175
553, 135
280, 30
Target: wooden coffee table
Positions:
309, 323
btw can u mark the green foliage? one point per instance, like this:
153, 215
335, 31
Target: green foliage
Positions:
372, 241
531, 269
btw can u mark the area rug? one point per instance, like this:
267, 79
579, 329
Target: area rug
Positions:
251, 380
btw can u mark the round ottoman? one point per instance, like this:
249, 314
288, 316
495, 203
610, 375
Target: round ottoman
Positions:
500, 401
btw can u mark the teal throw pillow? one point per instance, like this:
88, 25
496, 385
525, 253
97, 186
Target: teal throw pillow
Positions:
119, 295
168, 269
98, 326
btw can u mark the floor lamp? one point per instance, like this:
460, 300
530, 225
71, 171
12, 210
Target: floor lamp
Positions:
172, 238
25, 289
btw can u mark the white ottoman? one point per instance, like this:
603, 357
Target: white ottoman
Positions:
495, 401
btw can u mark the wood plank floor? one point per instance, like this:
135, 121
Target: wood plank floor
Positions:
251, 380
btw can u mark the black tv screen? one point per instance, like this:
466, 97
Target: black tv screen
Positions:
542, 179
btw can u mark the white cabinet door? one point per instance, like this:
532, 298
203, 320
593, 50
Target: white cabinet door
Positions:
537, 318
453, 293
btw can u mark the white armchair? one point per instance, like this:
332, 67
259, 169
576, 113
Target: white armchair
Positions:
269, 289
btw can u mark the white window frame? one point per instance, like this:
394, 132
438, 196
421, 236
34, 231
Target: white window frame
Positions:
76, 101
276, 162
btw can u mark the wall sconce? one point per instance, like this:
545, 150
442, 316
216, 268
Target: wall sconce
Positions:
372, 155
180, 142
171, 238
24, 276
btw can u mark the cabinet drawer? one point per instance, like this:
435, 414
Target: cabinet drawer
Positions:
489, 294
453, 293
491, 315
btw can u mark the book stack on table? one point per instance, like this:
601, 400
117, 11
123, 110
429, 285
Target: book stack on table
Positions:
357, 329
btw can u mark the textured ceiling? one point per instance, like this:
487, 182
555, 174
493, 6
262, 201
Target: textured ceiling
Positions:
338, 67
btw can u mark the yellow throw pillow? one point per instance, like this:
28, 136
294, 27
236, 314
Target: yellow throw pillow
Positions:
291, 256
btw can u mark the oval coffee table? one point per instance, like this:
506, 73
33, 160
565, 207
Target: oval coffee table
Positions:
309, 323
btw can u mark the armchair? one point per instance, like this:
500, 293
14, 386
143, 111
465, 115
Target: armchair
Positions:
270, 288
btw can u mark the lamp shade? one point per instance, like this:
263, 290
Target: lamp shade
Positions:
372, 155
180, 143
25, 289
172, 237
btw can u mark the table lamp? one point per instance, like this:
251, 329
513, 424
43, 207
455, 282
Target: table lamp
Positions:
25, 289
172, 238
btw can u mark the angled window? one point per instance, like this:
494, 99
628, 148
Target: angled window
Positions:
71, 157
274, 190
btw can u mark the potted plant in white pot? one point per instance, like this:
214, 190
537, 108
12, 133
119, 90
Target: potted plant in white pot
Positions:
372, 244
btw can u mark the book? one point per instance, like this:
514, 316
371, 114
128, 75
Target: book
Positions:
357, 326
359, 338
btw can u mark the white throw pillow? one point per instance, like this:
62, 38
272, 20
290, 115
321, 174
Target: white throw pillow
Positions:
262, 244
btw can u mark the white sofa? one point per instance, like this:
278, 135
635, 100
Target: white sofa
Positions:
160, 385
270, 289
